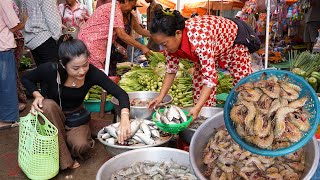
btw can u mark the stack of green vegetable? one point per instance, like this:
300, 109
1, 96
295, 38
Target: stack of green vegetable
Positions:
307, 65
95, 94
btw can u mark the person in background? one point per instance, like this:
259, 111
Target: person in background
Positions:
9, 24
153, 6
208, 41
18, 52
312, 20
73, 15
94, 33
138, 37
69, 81
42, 30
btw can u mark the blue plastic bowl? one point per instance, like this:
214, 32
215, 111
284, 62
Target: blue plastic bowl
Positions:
312, 105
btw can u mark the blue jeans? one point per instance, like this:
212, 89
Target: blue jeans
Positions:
9, 111
136, 52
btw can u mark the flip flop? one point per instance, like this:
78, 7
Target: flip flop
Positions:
7, 125
75, 165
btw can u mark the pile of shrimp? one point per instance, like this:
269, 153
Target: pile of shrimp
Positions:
269, 113
224, 159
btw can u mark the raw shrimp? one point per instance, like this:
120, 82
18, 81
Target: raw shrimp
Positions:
262, 125
251, 95
272, 90
288, 92
280, 120
257, 162
298, 103
300, 119
293, 133
275, 176
265, 142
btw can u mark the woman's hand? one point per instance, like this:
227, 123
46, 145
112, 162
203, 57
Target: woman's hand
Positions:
146, 51
194, 112
155, 102
124, 131
37, 105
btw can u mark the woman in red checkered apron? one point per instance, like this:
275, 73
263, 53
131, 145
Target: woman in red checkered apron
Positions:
206, 40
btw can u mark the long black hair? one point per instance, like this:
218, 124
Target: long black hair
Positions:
69, 48
167, 22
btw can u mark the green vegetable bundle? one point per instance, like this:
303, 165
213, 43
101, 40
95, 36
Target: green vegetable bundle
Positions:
95, 94
307, 65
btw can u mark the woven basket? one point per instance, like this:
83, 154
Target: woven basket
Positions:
38, 153
172, 128
312, 106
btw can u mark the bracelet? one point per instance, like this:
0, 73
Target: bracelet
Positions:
125, 113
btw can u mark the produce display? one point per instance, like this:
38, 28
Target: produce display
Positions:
154, 170
143, 132
95, 94
269, 114
151, 79
224, 159
307, 65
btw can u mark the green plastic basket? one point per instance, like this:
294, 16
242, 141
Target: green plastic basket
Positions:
172, 128
38, 153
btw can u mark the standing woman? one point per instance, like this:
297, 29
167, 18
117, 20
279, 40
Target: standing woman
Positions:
18, 52
206, 40
94, 33
69, 81
73, 16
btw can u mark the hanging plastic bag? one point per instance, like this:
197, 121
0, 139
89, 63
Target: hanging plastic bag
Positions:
316, 47
38, 153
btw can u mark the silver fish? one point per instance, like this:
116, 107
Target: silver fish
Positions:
135, 125
182, 114
137, 139
145, 138
105, 136
164, 119
111, 130
173, 113
145, 128
155, 133
111, 140
149, 123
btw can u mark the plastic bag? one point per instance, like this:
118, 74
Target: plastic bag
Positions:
316, 46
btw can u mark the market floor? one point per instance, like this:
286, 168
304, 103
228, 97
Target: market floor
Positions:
9, 168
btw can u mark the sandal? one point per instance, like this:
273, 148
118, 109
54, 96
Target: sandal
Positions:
7, 125
75, 165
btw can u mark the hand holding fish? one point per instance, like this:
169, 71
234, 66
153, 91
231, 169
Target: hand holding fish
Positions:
155, 102
124, 130
194, 112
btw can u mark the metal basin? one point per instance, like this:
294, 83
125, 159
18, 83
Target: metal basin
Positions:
156, 154
208, 112
138, 111
205, 131
118, 149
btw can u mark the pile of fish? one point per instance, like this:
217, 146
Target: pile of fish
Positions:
171, 115
154, 170
269, 113
197, 122
224, 159
142, 132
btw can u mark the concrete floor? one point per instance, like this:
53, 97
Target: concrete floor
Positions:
9, 168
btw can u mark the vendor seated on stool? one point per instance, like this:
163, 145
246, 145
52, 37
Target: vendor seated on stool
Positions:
69, 80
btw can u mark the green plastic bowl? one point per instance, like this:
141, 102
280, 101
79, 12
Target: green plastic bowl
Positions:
172, 128
94, 105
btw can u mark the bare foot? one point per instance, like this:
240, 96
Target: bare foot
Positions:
75, 165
